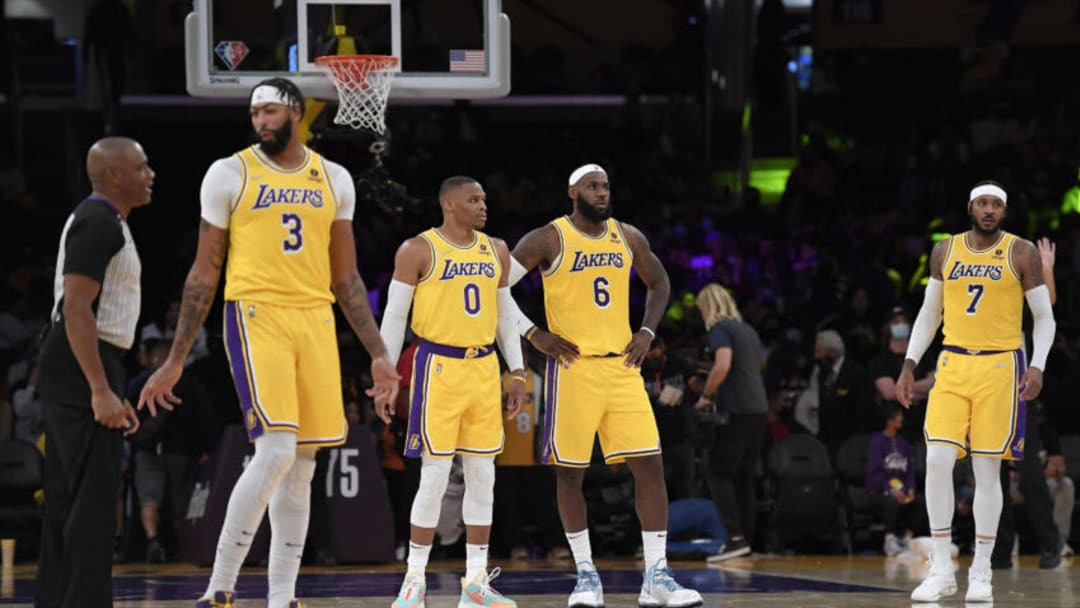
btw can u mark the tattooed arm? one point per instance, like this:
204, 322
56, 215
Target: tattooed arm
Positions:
199, 291
352, 297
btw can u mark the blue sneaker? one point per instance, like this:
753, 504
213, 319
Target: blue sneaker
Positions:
589, 592
659, 590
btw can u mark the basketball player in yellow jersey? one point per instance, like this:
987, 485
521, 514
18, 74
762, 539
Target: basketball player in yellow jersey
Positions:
454, 279
978, 280
597, 388
283, 214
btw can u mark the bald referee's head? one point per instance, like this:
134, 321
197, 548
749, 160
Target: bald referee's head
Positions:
119, 172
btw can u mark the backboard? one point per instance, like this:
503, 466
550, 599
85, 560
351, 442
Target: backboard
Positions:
457, 49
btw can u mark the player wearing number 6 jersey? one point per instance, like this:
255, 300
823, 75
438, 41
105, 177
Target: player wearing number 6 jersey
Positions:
283, 214
454, 279
978, 282
593, 384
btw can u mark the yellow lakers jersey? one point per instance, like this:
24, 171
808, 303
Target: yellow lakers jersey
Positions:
455, 302
983, 296
587, 289
519, 447
279, 233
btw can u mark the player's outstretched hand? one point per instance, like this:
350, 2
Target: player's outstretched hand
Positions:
385, 391
1047, 251
1031, 384
905, 387
638, 347
515, 398
554, 346
158, 390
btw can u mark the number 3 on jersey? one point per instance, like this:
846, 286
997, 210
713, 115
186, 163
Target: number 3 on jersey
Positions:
292, 223
975, 290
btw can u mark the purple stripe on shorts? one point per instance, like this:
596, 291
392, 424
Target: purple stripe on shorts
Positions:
414, 438
1016, 445
238, 363
549, 411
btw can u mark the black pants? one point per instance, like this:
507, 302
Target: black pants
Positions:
1036, 497
82, 479
732, 458
526, 495
899, 518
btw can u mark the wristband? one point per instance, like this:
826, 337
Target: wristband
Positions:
651, 332
529, 332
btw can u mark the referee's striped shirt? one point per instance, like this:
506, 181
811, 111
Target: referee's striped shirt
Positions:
97, 243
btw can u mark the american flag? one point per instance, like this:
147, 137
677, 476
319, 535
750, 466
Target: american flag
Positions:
466, 61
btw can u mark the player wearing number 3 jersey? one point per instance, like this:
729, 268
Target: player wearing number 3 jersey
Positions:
283, 215
454, 279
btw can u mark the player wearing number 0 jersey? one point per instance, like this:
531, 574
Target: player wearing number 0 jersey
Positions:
980, 279
454, 279
593, 385
283, 215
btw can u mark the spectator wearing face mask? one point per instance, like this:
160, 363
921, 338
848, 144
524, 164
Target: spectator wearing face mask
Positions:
885, 367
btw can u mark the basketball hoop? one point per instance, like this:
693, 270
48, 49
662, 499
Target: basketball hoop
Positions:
363, 86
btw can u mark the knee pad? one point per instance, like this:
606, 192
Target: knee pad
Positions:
479, 490
434, 475
297, 484
275, 453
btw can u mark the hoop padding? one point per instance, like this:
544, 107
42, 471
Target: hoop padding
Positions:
363, 86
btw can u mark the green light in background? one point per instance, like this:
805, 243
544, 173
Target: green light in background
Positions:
939, 236
769, 176
1070, 203
747, 113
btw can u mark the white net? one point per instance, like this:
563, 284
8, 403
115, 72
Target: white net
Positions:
363, 86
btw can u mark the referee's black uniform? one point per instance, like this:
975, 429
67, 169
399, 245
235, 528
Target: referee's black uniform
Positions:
82, 457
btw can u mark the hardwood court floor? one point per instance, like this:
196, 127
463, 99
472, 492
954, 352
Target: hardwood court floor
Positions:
766, 580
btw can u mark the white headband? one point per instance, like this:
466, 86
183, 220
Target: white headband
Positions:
581, 171
265, 93
987, 189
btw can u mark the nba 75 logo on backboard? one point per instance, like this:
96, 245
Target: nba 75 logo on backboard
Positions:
231, 52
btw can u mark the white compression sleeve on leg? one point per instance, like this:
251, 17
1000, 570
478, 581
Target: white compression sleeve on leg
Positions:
1042, 333
926, 322
479, 490
986, 506
398, 301
940, 500
290, 510
275, 452
507, 334
434, 475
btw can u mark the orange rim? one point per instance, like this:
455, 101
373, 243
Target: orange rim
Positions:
370, 62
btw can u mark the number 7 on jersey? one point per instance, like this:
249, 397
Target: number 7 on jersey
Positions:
975, 290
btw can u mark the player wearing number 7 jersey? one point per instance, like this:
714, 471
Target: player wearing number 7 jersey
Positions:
283, 214
979, 280
454, 279
594, 386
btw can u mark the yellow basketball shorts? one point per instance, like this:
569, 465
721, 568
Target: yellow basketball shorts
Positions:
285, 365
596, 395
974, 403
456, 402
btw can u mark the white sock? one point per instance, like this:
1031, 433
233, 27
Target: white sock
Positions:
579, 546
654, 546
986, 506
942, 547
475, 560
274, 456
290, 509
418, 558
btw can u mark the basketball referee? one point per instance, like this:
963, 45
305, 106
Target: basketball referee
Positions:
81, 369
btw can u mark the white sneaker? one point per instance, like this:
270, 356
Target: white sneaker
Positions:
979, 588
659, 590
589, 592
412, 592
939, 582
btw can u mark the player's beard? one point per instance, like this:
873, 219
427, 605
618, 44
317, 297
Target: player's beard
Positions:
592, 213
281, 139
976, 226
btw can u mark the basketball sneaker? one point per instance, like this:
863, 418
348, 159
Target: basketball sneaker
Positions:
411, 595
478, 592
659, 590
221, 599
939, 582
296, 604
979, 588
588, 592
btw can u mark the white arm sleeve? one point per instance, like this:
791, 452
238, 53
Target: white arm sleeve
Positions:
517, 271
1042, 334
398, 303
506, 334
220, 187
510, 310
926, 322
344, 190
